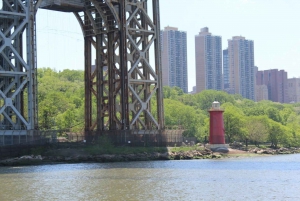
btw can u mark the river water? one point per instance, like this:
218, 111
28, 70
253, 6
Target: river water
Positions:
254, 178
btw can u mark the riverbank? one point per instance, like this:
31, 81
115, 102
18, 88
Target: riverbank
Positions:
68, 155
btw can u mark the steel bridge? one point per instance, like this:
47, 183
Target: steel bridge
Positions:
123, 37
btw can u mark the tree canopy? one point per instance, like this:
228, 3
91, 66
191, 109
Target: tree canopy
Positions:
61, 106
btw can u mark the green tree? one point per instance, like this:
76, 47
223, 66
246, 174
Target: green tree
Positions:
58, 95
285, 114
273, 114
257, 129
277, 133
234, 123
205, 98
72, 75
178, 114
293, 124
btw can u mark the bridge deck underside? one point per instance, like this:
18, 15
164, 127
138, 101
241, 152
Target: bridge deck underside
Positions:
63, 5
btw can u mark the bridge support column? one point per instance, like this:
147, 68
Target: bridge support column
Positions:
127, 73
18, 85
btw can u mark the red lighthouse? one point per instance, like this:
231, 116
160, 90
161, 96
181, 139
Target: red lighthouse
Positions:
216, 128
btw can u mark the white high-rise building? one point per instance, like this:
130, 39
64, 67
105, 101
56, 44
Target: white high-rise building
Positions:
241, 67
293, 90
174, 58
208, 50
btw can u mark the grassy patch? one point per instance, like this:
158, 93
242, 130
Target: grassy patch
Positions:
185, 148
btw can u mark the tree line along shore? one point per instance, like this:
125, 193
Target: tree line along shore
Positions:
61, 107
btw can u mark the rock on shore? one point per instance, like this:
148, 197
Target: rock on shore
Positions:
282, 150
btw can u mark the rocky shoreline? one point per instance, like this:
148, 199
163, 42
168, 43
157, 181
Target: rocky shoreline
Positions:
275, 151
171, 155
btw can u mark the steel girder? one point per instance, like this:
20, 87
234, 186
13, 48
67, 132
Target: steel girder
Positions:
123, 83
18, 103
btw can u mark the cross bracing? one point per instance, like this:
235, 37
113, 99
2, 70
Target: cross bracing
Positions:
18, 105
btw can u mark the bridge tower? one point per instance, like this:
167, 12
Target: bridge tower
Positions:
125, 86
18, 85
123, 83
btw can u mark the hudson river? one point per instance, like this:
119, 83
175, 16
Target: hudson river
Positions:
255, 178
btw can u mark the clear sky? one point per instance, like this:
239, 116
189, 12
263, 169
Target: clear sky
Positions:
273, 25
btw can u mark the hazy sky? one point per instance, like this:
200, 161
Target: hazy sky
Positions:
273, 25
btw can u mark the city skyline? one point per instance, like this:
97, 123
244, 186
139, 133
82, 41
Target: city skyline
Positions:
271, 25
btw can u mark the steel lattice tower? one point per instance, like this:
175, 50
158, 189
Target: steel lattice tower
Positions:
123, 83
18, 105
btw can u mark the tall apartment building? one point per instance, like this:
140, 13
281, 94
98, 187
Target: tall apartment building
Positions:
276, 81
241, 67
293, 90
261, 89
174, 58
225, 69
262, 92
208, 49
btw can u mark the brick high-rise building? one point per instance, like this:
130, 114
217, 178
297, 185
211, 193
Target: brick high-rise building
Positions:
174, 58
241, 67
293, 85
276, 81
208, 49
262, 92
